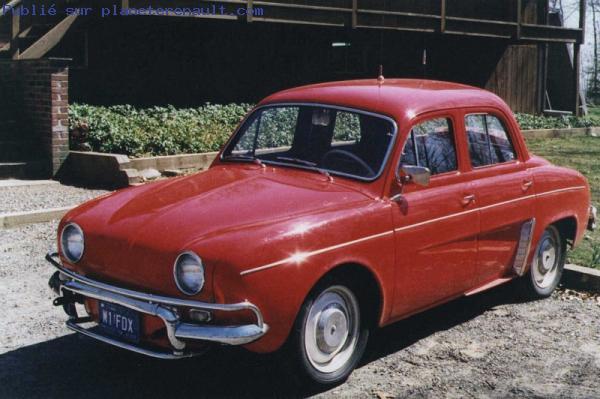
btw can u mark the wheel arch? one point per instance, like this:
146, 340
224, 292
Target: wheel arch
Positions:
567, 227
370, 291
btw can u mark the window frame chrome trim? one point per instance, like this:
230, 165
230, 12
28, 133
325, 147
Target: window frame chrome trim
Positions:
516, 149
384, 163
443, 114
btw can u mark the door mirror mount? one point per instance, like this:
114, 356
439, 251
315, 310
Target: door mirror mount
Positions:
418, 175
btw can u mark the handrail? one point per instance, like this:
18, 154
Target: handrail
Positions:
10, 5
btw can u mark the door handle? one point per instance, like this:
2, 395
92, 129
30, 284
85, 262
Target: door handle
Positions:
527, 184
468, 199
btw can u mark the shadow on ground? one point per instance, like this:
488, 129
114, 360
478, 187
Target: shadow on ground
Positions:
74, 366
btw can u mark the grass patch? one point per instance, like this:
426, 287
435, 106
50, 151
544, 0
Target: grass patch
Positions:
583, 154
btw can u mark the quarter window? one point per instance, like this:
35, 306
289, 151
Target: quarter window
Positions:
431, 145
488, 141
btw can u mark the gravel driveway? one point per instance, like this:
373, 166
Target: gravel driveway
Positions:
482, 346
30, 198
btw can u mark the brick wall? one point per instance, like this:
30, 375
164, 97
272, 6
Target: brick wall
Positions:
8, 99
34, 112
44, 89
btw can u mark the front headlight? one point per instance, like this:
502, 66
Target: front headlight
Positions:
189, 273
72, 242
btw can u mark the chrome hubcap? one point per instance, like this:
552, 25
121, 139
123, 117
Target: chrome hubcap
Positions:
546, 260
331, 330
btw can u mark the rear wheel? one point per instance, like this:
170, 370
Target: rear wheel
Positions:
548, 264
330, 335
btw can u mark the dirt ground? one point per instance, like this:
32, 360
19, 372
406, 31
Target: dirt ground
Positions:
489, 345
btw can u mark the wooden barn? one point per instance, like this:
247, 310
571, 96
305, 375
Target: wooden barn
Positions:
242, 50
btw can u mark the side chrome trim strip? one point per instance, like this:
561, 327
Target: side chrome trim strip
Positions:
561, 190
294, 258
454, 215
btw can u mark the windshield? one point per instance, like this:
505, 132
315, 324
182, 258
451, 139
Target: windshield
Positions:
338, 141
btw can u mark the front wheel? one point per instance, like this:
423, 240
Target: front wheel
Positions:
329, 337
548, 264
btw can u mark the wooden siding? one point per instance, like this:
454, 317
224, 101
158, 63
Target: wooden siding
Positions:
515, 78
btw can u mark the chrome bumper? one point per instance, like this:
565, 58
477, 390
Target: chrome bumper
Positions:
162, 307
593, 218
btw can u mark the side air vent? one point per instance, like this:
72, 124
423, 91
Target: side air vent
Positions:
524, 247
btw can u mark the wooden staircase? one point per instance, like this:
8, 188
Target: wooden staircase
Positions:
32, 36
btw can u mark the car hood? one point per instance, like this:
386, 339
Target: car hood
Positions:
130, 233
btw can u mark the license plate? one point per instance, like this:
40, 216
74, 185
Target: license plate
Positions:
120, 322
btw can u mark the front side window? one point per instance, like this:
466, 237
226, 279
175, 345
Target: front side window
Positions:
488, 141
431, 144
316, 137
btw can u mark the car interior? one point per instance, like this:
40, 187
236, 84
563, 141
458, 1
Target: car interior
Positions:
334, 140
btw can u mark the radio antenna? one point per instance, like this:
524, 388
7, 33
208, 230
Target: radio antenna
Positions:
380, 78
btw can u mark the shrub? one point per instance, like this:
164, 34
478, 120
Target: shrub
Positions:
136, 132
124, 129
528, 121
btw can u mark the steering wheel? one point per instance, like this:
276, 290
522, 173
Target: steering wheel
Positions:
350, 156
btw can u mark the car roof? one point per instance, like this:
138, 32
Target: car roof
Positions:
399, 98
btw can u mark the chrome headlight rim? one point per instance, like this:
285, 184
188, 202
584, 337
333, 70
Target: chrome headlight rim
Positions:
181, 288
65, 251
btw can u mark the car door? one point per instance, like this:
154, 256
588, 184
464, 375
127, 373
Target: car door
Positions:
436, 226
504, 190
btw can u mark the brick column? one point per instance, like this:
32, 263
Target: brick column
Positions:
44, 88
59, 102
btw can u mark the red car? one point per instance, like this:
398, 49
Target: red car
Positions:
333, 209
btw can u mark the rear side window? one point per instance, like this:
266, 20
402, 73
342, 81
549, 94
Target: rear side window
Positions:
488, 141
431, 145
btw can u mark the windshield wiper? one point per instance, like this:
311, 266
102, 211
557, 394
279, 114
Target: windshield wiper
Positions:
243, 158
297, 160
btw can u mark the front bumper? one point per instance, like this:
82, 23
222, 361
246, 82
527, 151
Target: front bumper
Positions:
67, 282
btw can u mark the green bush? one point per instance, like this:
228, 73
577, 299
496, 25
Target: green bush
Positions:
528, 121
124, 129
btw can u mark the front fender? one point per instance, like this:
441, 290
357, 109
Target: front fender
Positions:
277, 278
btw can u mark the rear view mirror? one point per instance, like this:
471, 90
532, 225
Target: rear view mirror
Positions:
321, 117
416, 174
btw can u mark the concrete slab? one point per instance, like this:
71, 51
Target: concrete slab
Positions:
581, 277
8, 220
20, 183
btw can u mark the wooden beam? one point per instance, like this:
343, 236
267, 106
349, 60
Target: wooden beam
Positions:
15, 28
576, 81
443, 16
11, 5
542, 76
519, 18
582, 17
249, 9
49, 40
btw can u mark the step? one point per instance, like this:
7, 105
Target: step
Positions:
23, 169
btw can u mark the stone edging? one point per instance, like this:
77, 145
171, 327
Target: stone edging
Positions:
582, 277
555, 133
14, 219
